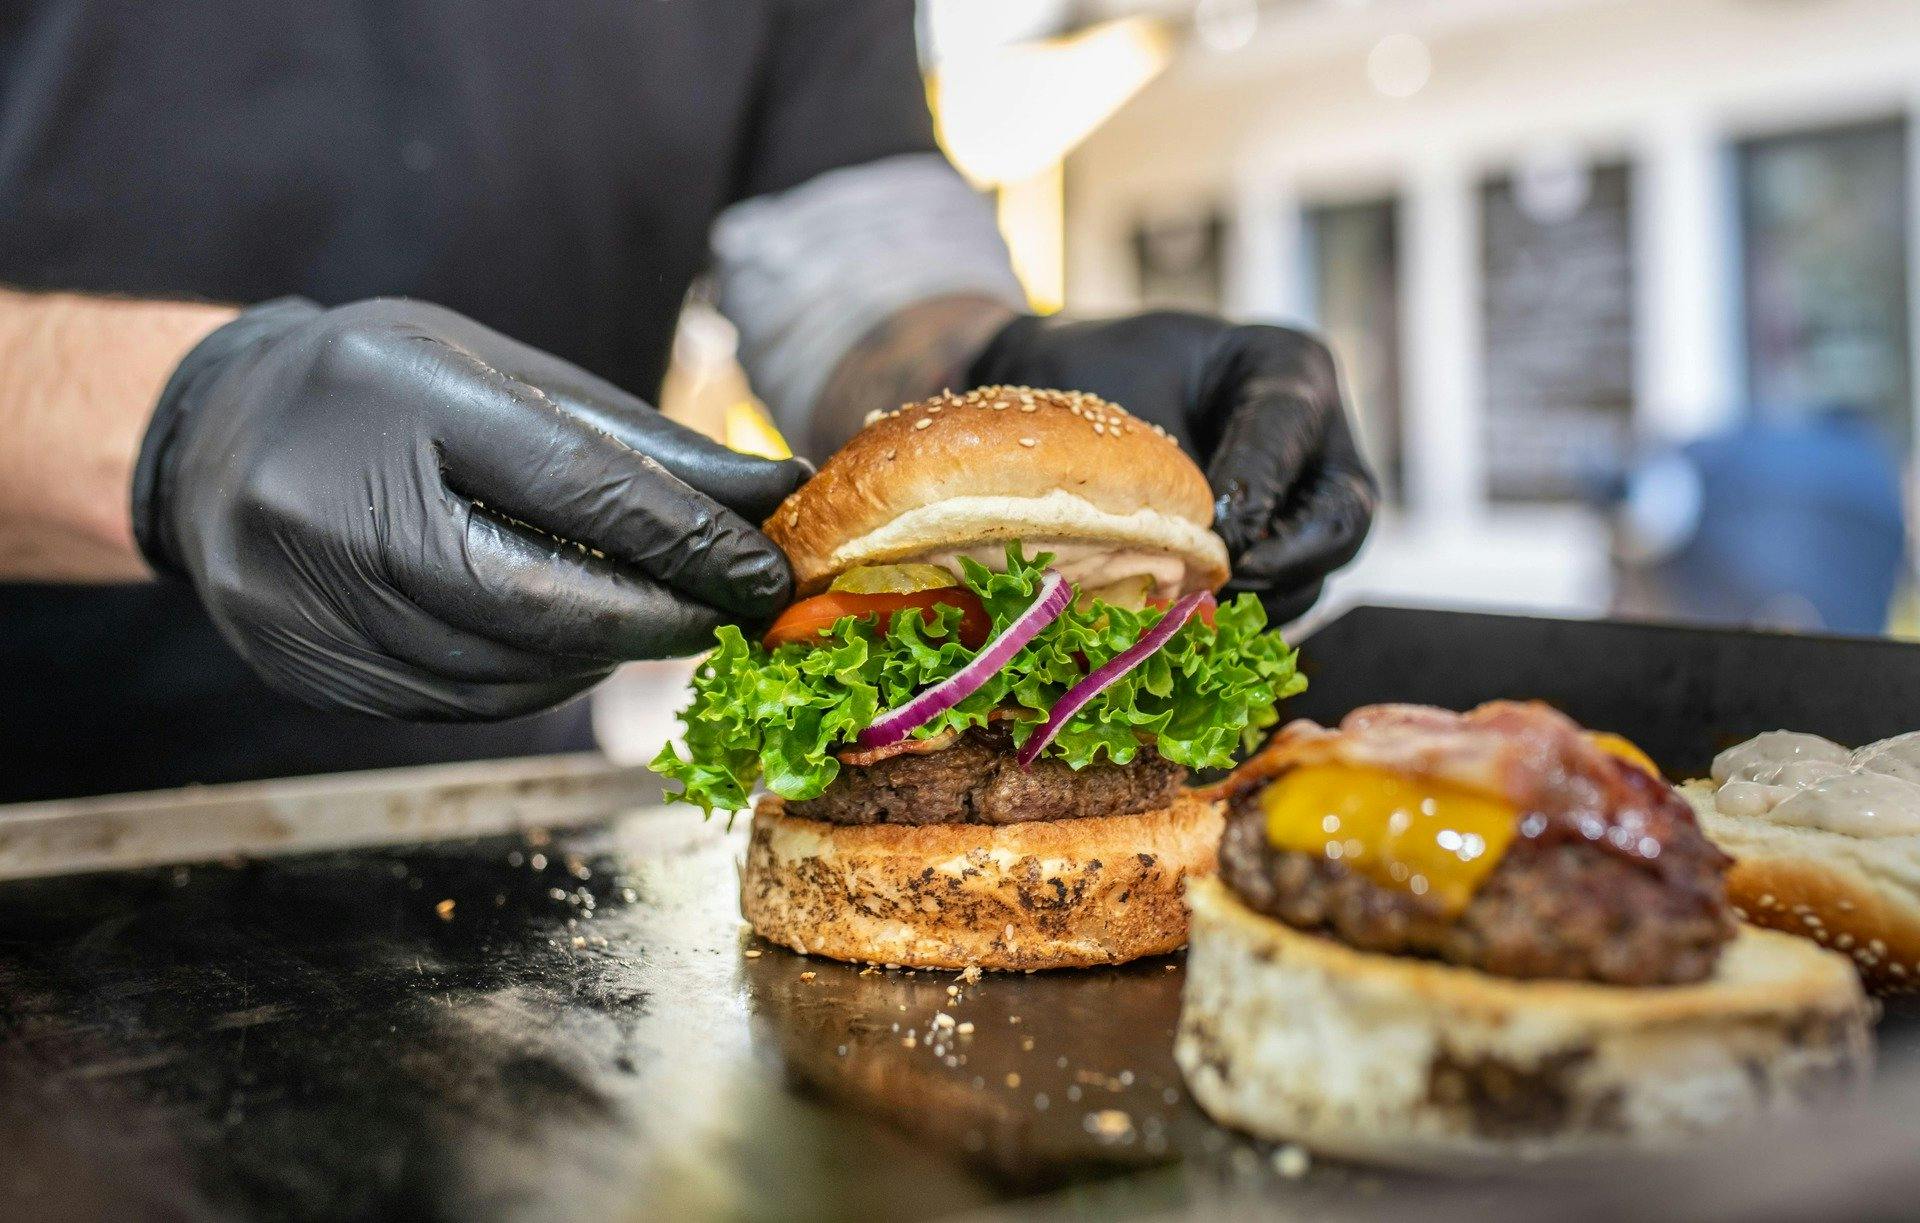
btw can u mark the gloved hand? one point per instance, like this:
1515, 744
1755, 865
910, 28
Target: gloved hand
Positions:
319, 476
1259, 407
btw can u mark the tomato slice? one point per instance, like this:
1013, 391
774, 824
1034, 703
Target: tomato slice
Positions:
1203, 613
809, 618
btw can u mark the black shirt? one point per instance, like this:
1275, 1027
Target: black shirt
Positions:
550, 169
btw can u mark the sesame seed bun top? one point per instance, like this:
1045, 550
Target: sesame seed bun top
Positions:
1001, 463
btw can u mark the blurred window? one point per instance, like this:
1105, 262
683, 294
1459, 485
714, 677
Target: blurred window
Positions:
1558, 310
1179, 262
1354, 292
1823, 225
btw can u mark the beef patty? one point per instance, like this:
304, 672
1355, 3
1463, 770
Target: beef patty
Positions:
978, 781
1550, 908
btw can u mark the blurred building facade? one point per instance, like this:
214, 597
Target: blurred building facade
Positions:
1542, 235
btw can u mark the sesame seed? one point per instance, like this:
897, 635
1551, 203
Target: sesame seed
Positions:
1099, 428
1029, 442
1028, 405
923, 422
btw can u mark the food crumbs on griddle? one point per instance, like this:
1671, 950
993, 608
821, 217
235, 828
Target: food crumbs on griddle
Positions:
445, 910
965, 1029
1041, 1103
1110, 1125
1291, 1161
538, 862
807, 976
970, 975
1013, 1079
752, 953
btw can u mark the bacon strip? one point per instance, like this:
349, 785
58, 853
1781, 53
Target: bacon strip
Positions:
861, 757
1528, 753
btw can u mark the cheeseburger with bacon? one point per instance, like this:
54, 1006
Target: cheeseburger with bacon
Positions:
975, 724
1439, 936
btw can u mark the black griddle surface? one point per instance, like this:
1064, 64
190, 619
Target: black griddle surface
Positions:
586, 1031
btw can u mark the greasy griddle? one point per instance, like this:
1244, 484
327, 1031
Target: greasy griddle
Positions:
586, 1032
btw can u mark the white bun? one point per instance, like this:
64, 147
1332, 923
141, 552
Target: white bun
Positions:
1050, 894
1860, 897
1396, 1060
997, 464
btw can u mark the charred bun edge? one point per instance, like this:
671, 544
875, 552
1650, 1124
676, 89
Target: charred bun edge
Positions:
1396, 1060
1047, 894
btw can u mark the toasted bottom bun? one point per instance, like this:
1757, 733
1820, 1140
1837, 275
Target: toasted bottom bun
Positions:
1857, 896
1053, 894
1396, 1060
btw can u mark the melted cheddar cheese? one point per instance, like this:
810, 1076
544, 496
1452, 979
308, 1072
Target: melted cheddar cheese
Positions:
1425, 837
1622, 748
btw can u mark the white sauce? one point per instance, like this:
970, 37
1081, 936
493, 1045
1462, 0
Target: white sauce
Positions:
1809, 782
1088, 565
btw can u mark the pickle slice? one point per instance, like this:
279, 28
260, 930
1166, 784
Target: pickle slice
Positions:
1130, 593
892, 580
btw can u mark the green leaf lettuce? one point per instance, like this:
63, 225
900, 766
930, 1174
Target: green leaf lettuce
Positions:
778, 716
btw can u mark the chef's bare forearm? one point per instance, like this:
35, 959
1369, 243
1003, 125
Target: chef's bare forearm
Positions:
78, 380
917, 352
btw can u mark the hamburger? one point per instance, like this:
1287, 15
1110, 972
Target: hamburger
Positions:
1442, 938
1826, 844
974, 725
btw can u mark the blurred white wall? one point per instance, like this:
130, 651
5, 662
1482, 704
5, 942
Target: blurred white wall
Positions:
1309, 112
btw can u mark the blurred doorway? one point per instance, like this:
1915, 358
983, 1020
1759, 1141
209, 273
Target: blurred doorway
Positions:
1353, 290
1823, 223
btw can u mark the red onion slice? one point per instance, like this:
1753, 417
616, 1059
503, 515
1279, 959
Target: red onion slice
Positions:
1104, 675
895, 724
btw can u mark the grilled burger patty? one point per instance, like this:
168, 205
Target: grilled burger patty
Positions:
976, 780
1549, 909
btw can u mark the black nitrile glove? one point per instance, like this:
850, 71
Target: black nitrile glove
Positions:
1259, 407
318, 475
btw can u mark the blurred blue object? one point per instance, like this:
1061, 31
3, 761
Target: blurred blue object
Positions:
1790, 524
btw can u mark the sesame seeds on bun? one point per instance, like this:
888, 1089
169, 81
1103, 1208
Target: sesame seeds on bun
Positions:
1858, 896
994, 464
